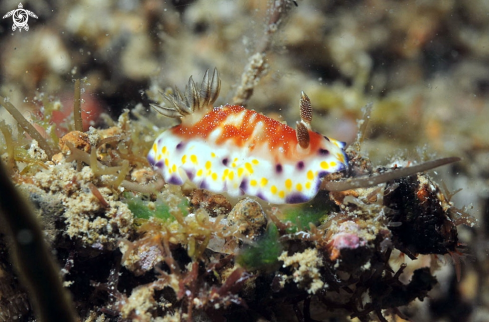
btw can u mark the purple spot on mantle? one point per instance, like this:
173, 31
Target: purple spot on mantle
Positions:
179, 146
322, 174
203, 185
300, 165
296, 198
225, 161
151, 159
278, 168
190, 174
159, 165
323, 152
244, 185
344, 166
175, 180
261, 196
318, 185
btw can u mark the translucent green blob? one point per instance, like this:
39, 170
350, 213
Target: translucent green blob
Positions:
263, 255
301, 216
160, 210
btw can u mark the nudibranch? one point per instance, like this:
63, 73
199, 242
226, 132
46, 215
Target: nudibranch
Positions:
239, 151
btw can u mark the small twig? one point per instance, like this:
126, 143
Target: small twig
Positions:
98, 195
90, 159
276, 15
7, 134
122, 174
254, 71
147, 188
257, 66
362, 126
77, 113
33, 260
363, 182
28, 127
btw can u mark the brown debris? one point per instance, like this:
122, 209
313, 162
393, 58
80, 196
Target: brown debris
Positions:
423, 220
215, 204
78, 139
248, 218
339, 196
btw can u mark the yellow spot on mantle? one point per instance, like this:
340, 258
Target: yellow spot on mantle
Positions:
310, 175
341, 158
308, 185
249, 167
208, 165
288, 184
174, 168
240, 172
253, 183
213, 154
199, 173
281, 194
298, 187
273, 189
263, 182
214, 176
184, 159
332, 164
193, 158
155, 147
167, 163
225, 174
231, 175
324, 165
163, 150
254, 161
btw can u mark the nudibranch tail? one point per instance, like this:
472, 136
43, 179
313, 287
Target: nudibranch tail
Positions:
239, 151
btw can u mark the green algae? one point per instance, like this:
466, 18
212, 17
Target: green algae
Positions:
299, 217
158, 209
264, 254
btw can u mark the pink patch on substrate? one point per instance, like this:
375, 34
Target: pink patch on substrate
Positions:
91, 110
345, 237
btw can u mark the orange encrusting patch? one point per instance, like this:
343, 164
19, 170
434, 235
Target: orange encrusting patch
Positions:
281, 138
